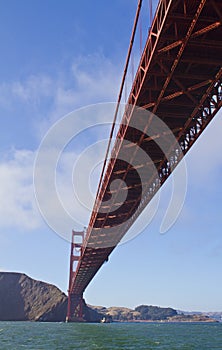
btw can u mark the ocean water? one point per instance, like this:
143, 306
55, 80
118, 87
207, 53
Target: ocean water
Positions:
149, 336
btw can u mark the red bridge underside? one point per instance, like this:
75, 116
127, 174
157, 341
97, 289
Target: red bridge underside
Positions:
179, 80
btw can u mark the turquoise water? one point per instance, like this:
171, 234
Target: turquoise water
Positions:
149, 336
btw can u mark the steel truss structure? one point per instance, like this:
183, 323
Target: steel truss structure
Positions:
179, 79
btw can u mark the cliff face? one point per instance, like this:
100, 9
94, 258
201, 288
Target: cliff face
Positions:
22, 298
25, 299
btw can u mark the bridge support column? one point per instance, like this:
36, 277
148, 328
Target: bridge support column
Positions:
75, 308
75, 300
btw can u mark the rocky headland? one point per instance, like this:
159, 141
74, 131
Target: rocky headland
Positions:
25, 299
149, 313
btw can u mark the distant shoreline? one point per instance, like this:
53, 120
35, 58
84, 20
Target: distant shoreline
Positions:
166, 321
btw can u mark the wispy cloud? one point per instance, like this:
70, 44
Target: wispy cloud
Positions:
17, 198
17, 203
45, 99
29, 91
93, 79
33, 88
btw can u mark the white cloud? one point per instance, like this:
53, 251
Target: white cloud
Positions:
17, 203
45, 99
17, 198
97, 78
93, 79
33, 88
27, 92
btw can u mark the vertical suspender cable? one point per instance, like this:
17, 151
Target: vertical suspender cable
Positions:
151, 11
121, 90
141, 36
125, 88
132, 66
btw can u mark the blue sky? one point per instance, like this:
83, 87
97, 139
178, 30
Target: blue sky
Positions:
60, 56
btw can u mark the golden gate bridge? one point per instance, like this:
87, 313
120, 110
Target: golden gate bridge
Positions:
178, 79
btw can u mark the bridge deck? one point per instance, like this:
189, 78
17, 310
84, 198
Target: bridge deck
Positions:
179, 80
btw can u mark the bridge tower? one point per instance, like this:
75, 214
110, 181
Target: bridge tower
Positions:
75, 300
